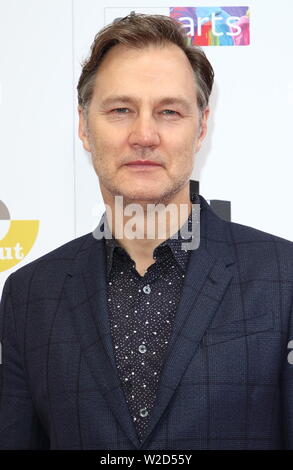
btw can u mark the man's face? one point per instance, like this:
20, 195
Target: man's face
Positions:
143, 108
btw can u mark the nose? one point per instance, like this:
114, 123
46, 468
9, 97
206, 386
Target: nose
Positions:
144, 132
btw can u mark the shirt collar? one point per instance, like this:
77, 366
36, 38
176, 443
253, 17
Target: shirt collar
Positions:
174, 242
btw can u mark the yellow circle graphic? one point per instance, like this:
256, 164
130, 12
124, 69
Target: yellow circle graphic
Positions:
17, 243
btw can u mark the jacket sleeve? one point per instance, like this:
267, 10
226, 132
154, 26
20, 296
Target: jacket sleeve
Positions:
287, 387
20, 427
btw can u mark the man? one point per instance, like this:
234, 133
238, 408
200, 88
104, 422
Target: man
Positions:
136, 343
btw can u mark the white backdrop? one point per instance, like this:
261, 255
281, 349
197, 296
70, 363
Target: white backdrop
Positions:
45, 175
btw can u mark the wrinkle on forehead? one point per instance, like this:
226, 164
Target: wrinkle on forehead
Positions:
150, 73
123, 55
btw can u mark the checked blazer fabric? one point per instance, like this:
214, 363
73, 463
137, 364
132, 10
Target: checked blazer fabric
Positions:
227, 379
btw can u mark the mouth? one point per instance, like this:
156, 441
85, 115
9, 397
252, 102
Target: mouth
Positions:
144, 165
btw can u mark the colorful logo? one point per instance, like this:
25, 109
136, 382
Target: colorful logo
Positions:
214, 26
16, 238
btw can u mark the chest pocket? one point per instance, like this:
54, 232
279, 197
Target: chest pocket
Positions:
240, 328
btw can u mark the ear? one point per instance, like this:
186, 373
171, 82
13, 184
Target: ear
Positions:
82, 129
203, 128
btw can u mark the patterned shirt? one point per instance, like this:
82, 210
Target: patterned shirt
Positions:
141, 313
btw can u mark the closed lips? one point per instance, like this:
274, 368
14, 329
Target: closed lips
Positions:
146, 162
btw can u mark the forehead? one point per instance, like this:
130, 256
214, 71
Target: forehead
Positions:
145, 70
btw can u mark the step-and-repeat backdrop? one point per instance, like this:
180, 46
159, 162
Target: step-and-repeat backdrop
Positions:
49, 193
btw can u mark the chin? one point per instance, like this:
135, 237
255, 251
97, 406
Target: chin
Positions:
141, 196
150, 196
152, 192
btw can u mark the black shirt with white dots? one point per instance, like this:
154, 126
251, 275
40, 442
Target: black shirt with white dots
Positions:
141, 312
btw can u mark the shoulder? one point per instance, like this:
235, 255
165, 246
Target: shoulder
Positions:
240, 238
243, 234
258, 250
49, 268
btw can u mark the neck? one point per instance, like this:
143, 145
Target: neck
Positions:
140, 228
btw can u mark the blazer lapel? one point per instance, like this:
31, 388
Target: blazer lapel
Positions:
206, 281
86, 291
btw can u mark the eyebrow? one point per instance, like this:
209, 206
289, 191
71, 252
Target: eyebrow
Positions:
167, 100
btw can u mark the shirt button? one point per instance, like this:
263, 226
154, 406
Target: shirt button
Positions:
146, 289
142, 348
143, 412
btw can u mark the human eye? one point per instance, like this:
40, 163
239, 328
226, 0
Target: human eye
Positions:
120, 110
170, 112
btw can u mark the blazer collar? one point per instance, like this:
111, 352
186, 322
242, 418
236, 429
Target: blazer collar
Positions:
174, 242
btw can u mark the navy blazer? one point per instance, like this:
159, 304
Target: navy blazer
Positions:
227, 381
